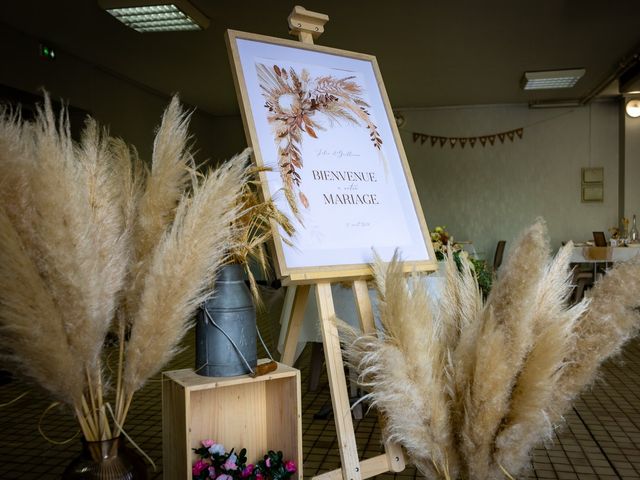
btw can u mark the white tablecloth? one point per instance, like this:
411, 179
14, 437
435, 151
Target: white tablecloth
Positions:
345, 307
600, 257
603, 254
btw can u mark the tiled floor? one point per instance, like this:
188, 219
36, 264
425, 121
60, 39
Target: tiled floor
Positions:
601, 439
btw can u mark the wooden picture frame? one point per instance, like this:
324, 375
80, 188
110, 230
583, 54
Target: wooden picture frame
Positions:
320, 118
599, 239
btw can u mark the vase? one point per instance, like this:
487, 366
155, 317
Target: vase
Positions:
106, 460
226, 328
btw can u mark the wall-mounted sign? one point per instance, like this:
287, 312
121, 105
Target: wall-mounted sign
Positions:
320, 118
592, 184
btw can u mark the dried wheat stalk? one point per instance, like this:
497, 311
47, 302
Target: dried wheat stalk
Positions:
253, 228
486, 383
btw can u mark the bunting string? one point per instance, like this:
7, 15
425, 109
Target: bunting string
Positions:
483, 140
463, 141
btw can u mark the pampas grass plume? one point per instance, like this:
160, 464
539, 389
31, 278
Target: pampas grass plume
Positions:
191, 251
486, 383
90, 235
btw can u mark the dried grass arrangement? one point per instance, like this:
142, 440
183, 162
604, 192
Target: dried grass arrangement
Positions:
470, 388
92, 240
253, 228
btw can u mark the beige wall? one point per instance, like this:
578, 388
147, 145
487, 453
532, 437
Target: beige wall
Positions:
491, 193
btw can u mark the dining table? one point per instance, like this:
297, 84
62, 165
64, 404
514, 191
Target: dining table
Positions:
599, 257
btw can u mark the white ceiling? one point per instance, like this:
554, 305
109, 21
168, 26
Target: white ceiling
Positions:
431, 53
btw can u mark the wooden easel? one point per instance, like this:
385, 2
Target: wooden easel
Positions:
308, 26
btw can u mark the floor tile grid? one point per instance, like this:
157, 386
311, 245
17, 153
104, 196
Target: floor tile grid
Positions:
599, 441
611, 411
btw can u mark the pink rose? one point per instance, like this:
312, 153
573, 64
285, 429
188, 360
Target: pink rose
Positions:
247, 471
259, 476
268, 462
198, 467
230, 463
289, 466
207, 443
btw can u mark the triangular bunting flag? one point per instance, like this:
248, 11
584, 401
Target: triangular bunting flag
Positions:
462, 141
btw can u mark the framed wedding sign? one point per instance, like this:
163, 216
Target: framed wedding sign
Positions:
320, 119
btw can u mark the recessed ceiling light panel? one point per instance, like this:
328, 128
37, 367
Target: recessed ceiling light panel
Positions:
146, 16
552, 79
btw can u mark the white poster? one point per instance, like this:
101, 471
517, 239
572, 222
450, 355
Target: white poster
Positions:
320, 121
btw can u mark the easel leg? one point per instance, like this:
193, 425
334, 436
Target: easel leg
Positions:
295, 303
337, 383
363, 305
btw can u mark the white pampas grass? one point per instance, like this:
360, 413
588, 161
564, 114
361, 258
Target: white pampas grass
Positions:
469, 389
611, 320
182, 267
407, 390
25, 297
171, 167
88, 235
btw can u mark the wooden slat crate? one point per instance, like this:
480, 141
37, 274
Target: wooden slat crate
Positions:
258, 414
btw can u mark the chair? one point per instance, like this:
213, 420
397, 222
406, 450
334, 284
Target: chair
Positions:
497, 257
582, 281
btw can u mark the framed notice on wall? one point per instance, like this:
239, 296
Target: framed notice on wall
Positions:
321, 120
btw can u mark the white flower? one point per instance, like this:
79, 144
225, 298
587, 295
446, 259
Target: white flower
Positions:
288, 102
216, 448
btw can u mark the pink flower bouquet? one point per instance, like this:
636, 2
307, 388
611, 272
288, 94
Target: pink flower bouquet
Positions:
216, 463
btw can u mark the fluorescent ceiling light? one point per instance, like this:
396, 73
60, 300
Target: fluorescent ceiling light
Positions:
556, 104
156, 16
551, 79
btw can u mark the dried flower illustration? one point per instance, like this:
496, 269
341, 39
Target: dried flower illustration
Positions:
294, 103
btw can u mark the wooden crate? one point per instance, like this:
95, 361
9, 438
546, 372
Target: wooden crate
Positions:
258, 414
